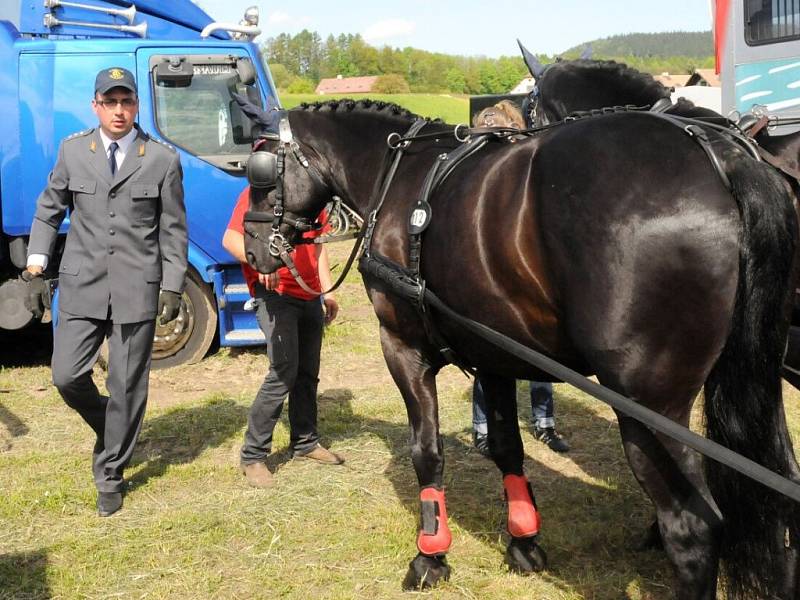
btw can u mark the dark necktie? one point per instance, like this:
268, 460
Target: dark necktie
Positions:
112, 161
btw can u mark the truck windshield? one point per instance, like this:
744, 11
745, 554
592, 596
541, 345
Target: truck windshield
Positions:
203, 117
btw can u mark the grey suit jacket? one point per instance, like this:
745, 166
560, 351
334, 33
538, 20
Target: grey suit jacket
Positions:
127, 234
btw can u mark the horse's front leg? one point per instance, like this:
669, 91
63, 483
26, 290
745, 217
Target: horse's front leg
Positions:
416, 379
523, 555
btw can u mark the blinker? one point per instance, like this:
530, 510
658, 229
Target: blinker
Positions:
262, 170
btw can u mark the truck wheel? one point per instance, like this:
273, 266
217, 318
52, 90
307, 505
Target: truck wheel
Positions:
187, 338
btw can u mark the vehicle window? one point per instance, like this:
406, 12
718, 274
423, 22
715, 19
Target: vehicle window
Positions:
203, 117
770, 21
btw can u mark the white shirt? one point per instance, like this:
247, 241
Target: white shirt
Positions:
124, 143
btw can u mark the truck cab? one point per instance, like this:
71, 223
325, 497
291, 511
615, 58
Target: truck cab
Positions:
188, 69
757, 45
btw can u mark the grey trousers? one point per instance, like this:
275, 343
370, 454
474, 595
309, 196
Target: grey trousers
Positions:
293, 329
117, 419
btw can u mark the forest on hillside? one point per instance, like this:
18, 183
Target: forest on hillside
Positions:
299, 61
692, 44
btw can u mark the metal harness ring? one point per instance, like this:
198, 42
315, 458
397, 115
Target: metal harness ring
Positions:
466, 136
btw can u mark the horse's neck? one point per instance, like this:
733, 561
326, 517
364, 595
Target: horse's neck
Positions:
586, 90
354, 147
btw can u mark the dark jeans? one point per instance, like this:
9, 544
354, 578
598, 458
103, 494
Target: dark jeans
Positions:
293, 329
541, 405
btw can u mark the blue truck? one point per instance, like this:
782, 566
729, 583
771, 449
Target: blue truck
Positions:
187, 67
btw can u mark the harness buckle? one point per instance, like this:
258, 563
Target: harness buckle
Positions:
277, 210
276, 242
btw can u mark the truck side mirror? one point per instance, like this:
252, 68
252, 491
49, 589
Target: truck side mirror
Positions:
246, 71
175, 71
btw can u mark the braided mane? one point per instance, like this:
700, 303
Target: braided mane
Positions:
348, 104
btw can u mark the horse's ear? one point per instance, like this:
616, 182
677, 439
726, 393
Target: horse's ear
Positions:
587, 53
534, 66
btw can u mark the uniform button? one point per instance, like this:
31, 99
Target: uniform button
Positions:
112, 214
111, 251
111, 232
113, 195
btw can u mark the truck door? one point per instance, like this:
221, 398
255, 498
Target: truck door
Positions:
187, 100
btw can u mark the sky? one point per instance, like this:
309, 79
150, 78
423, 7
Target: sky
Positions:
471, 27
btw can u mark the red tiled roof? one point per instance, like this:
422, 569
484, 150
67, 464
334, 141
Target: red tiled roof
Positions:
346, 85
671, 80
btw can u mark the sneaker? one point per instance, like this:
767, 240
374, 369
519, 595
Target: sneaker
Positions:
481, 443
323, 455
257, 474
550, 436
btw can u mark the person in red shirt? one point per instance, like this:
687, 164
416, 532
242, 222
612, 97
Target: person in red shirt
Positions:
292, 321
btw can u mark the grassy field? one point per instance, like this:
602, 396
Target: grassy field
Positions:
451, 109
191, 527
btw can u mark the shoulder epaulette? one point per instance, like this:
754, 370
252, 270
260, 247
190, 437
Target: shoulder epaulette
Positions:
156, 140
83, 133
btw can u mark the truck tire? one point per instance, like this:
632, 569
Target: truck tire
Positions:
193, 330
186, 339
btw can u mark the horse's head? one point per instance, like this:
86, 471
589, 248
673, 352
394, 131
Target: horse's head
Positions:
287, 192
566, 86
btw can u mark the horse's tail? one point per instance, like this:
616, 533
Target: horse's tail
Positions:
743, 401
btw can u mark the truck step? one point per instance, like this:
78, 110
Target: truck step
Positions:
244, 335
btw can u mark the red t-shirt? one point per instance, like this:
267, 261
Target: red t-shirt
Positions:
304, 256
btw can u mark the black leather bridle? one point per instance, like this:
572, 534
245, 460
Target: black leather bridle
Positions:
266, 171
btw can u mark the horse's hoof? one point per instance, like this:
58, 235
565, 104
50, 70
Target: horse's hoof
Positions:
651, 540
426, 571
524, 556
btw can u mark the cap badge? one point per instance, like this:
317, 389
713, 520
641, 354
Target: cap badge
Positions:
115, 74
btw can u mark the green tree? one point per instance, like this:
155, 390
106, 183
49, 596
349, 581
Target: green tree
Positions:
391, 84
301, 85
456, 82
280, 75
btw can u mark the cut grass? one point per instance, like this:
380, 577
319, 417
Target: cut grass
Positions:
191, 528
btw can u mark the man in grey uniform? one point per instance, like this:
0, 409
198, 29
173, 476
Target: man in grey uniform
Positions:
126, 241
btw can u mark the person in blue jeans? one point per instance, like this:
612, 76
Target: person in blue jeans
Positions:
543, 416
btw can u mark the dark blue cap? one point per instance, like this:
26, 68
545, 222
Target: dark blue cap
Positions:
112, 77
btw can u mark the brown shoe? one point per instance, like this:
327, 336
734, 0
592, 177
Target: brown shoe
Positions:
323, 455
257, 474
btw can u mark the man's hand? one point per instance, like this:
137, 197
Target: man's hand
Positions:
270, 281
169, 305
38, 296
331, 308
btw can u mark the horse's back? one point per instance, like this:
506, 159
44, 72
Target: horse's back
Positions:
643, 239
601, 242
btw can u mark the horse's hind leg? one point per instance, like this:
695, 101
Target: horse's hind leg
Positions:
416, 379
688, 519
505, 446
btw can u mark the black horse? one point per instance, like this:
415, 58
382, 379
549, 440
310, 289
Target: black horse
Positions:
570, 86
612, 245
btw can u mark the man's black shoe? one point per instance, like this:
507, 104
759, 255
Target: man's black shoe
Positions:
481, 443
550, 436
108, 503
